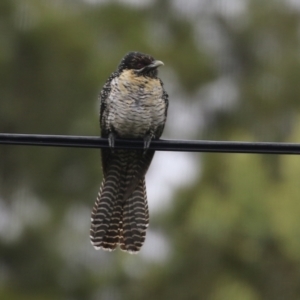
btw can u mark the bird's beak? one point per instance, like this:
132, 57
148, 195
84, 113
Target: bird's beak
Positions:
155, 64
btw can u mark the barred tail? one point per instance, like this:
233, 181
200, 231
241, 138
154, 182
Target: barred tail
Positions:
107, 211
120, 214
135, 220
115, 221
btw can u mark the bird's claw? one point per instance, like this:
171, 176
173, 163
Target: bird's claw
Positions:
111, 141
147, 142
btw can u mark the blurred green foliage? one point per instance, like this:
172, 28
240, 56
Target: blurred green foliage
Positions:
234, 233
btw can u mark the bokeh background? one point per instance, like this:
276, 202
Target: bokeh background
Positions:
223, 226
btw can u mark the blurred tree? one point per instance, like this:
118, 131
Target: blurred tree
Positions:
233, 234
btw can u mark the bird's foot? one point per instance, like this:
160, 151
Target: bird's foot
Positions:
147, 142
111, 141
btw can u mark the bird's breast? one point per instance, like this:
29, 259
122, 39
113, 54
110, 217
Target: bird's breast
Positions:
135, 104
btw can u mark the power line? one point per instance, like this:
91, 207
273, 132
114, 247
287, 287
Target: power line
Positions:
162, 145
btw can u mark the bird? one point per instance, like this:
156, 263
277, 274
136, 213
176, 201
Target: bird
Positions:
133, 105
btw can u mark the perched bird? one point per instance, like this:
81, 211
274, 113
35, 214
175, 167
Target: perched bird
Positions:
133, 104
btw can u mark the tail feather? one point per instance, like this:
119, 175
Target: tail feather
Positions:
120, 214
107, 212
135, 220
111, 239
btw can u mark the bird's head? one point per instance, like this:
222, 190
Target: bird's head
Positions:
142, 64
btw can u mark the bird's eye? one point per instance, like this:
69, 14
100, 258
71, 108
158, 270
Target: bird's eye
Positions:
140, 65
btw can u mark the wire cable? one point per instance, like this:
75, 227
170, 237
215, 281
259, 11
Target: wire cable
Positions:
161, 145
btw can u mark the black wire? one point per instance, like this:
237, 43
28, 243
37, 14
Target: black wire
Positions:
163, 145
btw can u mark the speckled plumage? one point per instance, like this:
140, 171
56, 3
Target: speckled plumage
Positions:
133, 104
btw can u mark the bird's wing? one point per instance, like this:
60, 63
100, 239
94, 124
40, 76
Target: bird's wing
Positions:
103, 96
165, 98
